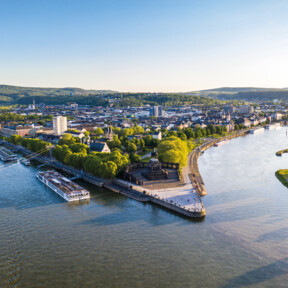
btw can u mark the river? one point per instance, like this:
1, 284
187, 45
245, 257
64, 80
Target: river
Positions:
113, 241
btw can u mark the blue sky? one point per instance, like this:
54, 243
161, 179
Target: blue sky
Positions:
133, 45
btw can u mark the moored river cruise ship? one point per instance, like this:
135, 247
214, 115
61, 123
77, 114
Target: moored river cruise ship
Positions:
64, 187
7, 155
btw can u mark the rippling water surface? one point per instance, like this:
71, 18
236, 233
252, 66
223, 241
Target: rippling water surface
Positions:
112, 241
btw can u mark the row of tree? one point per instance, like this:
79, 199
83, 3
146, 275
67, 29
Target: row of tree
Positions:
104, 165
8, 116
34, 145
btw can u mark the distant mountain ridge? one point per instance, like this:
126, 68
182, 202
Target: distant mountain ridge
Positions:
10, 94
237, 90
41, 91
252, 94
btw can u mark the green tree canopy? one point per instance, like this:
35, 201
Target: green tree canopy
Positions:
173, 149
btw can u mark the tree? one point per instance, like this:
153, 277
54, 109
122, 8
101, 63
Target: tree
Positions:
15, 139
142, 143
67, 139
131, 148
173, 150
135, 158
189, 133
198, 133
79, 147
219, 130
98, 131
115, 143
108, 170
212, 128
86, 134
148, 140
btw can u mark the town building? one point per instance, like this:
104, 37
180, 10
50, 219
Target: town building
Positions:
243, 109
157, 135
157, 111
16, 130
59, 125
228, 109
277, 116
32, 106
98, 146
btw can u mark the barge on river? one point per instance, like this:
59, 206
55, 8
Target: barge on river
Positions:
25, 161
221, 142
64, 187
7, 155
257, 130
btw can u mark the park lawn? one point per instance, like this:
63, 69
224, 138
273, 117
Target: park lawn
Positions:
217, 136
282, 175
146, 152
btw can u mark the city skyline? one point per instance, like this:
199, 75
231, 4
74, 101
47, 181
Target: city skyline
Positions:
168, 46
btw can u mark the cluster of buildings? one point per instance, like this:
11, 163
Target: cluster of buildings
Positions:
83, 118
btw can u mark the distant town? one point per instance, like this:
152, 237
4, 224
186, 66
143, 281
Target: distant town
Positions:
131, 150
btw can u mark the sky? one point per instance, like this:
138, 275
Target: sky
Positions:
144, 45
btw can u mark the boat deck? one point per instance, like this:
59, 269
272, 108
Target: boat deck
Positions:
62, 183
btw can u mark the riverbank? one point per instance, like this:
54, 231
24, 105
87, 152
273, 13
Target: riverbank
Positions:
182, 199
185, 200
192, 207
195, 175
279, 153
282, 176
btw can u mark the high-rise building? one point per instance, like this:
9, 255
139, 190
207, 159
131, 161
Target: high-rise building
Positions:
246, 109
157, 111
228, 109
59, 125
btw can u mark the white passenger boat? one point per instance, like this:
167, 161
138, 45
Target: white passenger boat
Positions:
7, 155
25, 161
64, 187
257, 130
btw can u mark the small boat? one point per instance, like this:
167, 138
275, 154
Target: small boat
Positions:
221, 143
25, 161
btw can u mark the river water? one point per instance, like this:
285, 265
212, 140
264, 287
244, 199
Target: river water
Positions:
113, 241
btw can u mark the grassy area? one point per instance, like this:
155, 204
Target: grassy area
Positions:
146, 152
216, 136
279, 153
146, 159
282, 175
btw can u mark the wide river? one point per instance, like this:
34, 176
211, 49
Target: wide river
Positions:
113, 241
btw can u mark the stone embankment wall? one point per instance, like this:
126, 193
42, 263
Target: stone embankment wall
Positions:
195, 176
189, 213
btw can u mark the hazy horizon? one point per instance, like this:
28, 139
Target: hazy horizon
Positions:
190, 91
144, 46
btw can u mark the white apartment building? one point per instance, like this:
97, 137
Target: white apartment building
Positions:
59, 125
